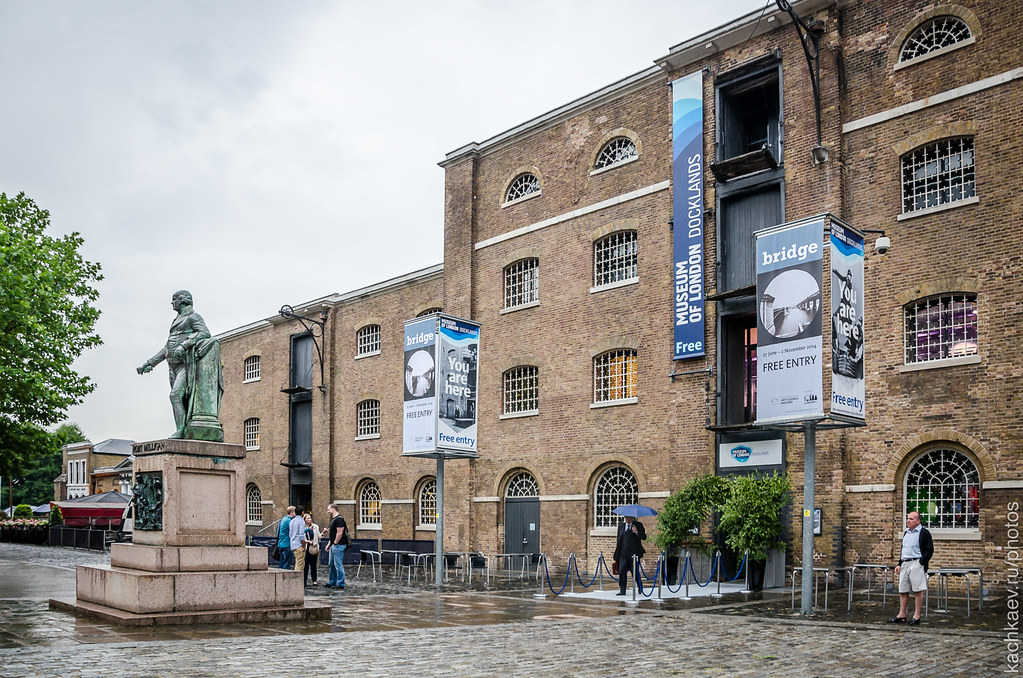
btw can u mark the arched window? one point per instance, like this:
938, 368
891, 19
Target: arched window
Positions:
615, 258
614, 375
435, 309
615, 152
938, 174
428, 503
932, 35
521, 390
367, 418
369, 504
251, 433
941, 327
522, 484
943, 486
368, 340
524, 184
253, 504
521, 282
616, 487
252, 368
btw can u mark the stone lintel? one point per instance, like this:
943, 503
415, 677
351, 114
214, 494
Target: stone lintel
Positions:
194, 448
187, 558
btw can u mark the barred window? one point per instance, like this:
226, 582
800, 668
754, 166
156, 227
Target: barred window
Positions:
615, 488
941, 327
939, 32
251, 433
938, 174
943, 486
369, 504
616, 151
252, 368
614, 375
435, 309
368, 339
428, 503
521, 282
521, 389
367, 418
522, 484
614, 258
525, 184
253, 504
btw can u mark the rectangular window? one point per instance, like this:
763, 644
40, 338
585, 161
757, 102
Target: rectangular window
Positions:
252, 368
938, 174
615, 258
252, 434
521, 390
614, 376
368, 339
941, 327
738, 382
748, 123
368, 418
521, 283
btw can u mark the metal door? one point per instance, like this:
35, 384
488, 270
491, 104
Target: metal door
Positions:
522, 525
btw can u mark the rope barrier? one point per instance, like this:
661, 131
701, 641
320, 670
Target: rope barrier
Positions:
609, 572
547, 572
681, 580
713, 567
745, 556
575, 562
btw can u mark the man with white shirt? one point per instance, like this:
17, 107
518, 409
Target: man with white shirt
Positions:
296, 534
917, 549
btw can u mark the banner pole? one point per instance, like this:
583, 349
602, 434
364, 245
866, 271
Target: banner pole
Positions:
438, 564
809, 453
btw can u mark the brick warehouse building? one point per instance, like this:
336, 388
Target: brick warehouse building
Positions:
558, 240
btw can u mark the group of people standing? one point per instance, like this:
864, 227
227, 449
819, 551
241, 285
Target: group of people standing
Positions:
298, 541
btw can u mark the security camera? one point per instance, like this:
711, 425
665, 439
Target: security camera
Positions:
883, 244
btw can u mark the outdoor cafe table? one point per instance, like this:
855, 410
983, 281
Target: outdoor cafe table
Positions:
943, 573
868, 568
816, 571
510, 556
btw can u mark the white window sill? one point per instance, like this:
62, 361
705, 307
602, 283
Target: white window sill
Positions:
524, 198
938, 208
614, 166
604, 532
368, 436
519, 415
948, 534
614, 285
426, 528
251, 449
936, 364
368, 354
249, 381
936, 53
370, 527
520, 307
614, 403
257, 523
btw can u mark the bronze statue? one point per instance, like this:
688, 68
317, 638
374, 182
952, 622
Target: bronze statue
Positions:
196, 379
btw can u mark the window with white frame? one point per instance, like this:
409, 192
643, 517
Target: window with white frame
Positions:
367, 418
938, 174
369, 504
941, 327
616, 487
428, 503
253, 504
614, 375
77, 479
522, 484
521, 389
524, 184
252, 368
932, 35
435, 309
521, 282
368, 339
252, 433
614, 258
943, 486
616, 151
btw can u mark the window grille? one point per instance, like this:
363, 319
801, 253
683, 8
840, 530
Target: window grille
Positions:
616, 151
615, 488
521, 389
614, 375
522, 485
939, 32
521, 282
943, 486
369, 504
941, 327
251, 434
435, 309
614, 258
253, 504
368, 418
938, 174
523, 185
428, 503
368, 339
252, 368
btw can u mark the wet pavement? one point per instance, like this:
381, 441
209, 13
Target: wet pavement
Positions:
390, 627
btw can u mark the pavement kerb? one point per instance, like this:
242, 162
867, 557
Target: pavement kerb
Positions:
890, 628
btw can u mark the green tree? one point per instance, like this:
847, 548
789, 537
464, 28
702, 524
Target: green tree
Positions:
36, 486
47, 319
751, 516
686, 509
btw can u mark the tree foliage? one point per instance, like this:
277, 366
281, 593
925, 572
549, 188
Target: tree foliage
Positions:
35, 484
686, 509
22, 511
751, 516
47, 319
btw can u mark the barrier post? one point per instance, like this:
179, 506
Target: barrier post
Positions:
717, 572
635, 572
745, 562
571, 560
600, 571
687, 571
661, 565
542, 561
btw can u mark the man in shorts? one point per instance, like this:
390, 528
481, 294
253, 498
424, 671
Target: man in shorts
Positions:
917, 549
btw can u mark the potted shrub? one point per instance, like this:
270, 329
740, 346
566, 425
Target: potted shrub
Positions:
678, 524
751, 518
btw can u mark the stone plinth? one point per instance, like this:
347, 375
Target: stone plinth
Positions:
187, 558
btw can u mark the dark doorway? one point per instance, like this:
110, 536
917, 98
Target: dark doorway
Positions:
522, 525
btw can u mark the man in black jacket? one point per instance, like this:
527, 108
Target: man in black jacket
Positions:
631, 534
911, 571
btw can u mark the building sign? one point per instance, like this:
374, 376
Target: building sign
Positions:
847, 382
750, 454
687, 210
789, 343
441, 374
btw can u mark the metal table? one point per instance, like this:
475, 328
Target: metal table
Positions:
816, 572
943, 573
868, 568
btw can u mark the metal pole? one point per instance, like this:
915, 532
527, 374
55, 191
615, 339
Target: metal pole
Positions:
809, 453
439, 539
635, 576
571, 559
717, 569
687, 571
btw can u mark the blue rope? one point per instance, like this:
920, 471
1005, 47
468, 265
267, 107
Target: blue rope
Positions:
685, 569
547, 572
577, 576
711, 577
650, 588
609, 572
741, 565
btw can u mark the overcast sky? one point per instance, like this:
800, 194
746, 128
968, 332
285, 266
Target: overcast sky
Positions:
262, 153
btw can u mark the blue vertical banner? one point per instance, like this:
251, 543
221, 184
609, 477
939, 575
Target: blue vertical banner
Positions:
848, 390
687, 215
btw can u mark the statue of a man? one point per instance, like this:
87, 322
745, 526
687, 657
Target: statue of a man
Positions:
193, 359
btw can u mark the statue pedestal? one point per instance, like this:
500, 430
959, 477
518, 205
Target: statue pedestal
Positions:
189, 563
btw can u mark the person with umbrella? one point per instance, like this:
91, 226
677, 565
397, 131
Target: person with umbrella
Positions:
631, 534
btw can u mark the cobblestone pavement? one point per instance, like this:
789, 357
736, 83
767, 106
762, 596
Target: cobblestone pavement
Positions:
535, 637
